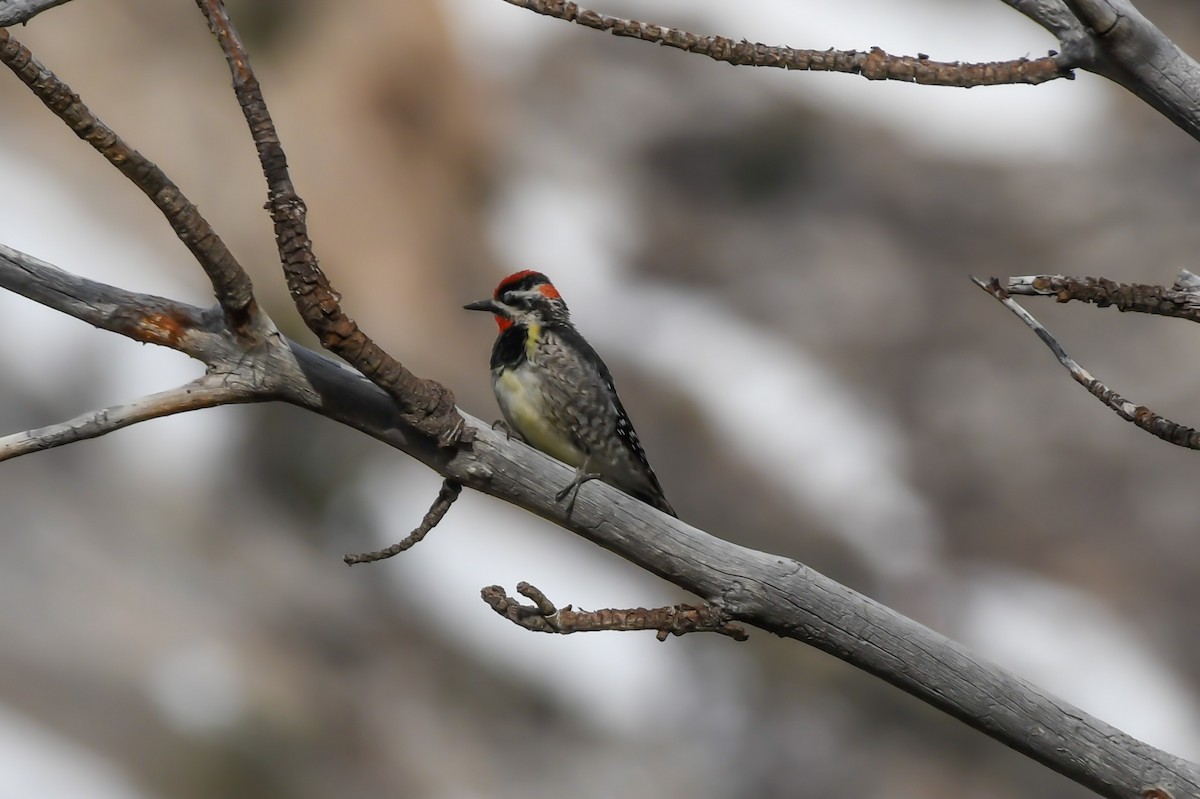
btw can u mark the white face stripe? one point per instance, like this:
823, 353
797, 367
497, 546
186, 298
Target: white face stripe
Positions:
529, 316
519, 315
532, 294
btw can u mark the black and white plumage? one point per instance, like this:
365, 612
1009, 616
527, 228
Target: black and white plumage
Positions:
558, 395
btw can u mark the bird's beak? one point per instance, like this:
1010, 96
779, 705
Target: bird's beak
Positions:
483, 305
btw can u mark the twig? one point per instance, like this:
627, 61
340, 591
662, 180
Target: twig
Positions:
872, 65
426, 404
1179, 301
1140, 415
445, 498
544, 617
231, 285
18, 12
206, 392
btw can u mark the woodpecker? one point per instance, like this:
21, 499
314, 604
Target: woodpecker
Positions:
556, 393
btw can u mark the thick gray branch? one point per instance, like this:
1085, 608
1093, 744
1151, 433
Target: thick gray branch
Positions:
776, 594
206, 392
202, 334
15, 12
771, 592
1125, 47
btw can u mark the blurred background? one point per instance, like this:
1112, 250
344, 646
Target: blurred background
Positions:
775, 267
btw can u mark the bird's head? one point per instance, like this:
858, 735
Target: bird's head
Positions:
526, 298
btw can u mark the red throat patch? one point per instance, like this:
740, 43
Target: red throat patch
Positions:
502, 322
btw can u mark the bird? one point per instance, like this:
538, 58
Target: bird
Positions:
557, 394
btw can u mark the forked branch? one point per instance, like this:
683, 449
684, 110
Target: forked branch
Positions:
775, 593
1140, 415
231, 285
426, 404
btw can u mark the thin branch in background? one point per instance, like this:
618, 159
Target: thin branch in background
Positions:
1140, 415
445, 498
426, 404
544, 617
231, 285
872, 65
1179, 301
18, 12
207, 392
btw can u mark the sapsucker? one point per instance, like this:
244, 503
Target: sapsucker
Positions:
556, 393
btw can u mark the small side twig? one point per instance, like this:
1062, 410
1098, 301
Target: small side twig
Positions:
1181, 301
874, 64
544, 617
426, 404
1140, 415
445, 498
231, 285
206, 392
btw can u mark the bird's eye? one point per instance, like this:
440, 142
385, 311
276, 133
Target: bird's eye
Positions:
517, 299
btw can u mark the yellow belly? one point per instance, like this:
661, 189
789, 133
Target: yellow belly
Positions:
521, 403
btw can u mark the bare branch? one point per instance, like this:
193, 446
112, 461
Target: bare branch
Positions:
873, 65
776, 594
445, 498
206, 392
18, 12
1181, 303
426, 404
543, 617
1140, 415
231, 285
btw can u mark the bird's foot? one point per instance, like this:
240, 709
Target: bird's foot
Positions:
572, 488
509, 433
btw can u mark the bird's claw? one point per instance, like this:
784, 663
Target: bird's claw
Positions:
572, 489
509, 433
